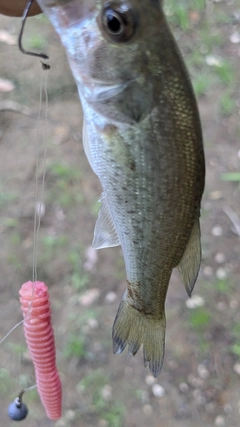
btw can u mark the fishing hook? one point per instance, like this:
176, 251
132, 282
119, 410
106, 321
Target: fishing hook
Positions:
24, 18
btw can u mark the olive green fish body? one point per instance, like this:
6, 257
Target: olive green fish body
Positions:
142, 136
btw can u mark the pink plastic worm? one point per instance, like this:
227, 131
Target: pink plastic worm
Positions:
39, 335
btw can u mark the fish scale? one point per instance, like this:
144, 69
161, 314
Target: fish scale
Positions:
142, 136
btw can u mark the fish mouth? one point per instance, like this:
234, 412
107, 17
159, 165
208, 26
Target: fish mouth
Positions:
95, 90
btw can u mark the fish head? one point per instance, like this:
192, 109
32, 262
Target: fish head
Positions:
106, 41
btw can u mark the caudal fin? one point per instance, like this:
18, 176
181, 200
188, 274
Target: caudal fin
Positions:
134, 328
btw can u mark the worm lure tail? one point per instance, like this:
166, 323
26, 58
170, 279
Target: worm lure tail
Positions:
39, 335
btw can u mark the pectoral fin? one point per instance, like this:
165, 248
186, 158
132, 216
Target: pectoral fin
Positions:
105, 234
191, 260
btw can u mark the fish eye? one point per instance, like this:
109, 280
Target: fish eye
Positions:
119, 25
113, 22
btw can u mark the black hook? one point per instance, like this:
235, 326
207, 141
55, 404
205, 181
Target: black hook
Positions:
24, 17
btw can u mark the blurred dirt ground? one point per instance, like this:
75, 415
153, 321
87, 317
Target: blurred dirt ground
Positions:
200, 383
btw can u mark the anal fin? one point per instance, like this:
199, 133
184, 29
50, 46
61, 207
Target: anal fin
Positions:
190, 263
105, 234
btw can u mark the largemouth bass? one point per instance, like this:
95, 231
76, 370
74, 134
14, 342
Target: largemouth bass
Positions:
142, 136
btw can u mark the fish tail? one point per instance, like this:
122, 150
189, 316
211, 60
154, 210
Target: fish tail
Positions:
134, 328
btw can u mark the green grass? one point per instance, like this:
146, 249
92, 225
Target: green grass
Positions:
37, 41
222, 286
10, 222
227, 104
201, 84
109, 410
75, 347
178, 11
6, 196
231, 176
225, 72
6, 382
235, 348
199, 319
79, 279
65, 190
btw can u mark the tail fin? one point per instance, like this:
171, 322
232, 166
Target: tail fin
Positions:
134, 328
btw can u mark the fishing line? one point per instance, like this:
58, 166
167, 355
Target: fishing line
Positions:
38, 198
11, 330
39, 193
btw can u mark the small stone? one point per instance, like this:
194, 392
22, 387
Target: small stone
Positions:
60, 216
236, 368
103, 423
158, 390
197, 383
60, 134
233, 304
210, 407
221, 274
194, 302
91, 258
197, 394
183, 387
217, 231
220, 258
172, 364
7, 38
213, 161
215, 195
107, 392
6, 85
221, 306
147, 409
207, 206
201, 401
208, 271
213, 61
69, 415
110, 297
219, 421
235, 37
89, 297
228, 409
150, 380
60, 423
26, 358
93, 323
203, 372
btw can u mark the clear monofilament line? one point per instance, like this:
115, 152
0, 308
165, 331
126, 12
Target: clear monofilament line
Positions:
39, 193
38, 207
9, 332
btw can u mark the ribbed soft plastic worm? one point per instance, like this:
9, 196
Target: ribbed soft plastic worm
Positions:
39, 335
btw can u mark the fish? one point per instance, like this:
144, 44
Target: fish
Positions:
143, 139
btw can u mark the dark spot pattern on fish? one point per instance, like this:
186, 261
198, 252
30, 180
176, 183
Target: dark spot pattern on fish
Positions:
133, 166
